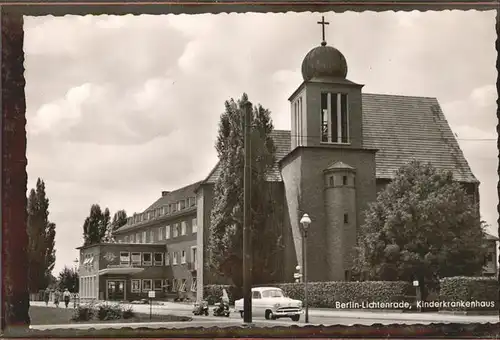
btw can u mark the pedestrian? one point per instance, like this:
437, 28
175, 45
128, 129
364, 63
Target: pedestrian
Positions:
57, 296
66, 296
46, 296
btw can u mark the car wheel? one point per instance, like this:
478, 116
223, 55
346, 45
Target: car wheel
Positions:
295, 317
242, 314
270, 315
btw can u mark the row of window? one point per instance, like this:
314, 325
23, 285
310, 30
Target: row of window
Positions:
334, 118
332, 180
156, 259
175, 285
162, 233
164, 210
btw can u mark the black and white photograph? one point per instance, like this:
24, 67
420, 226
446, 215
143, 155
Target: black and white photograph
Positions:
266, 169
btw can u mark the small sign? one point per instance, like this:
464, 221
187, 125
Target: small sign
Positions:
151, 294
297, 275
415, 283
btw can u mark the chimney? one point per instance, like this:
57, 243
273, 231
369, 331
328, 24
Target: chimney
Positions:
164, 193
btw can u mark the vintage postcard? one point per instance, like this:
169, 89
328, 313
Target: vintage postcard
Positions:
261, 170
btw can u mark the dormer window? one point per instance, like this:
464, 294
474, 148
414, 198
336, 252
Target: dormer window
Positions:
334, 118
344, 180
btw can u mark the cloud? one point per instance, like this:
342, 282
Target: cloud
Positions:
122, 107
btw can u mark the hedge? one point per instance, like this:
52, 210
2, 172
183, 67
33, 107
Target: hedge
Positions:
463, 293
326, 294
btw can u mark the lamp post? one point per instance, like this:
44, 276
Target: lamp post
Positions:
305, 221
76, 261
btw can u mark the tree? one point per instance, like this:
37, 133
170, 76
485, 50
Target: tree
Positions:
225, 241
423, 226
95, 225
41, 236
119, 220
68, 278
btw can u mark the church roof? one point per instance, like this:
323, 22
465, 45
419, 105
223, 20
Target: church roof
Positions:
339, 165
401, 128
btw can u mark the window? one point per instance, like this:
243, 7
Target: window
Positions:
174, 285
183, 228
136, 286
194, 284
167, 259
146, 259
160, 234
331, 181
182, 205
167, 232
178, 205
124, 258
173, 207
174, 259
151, 236
146, 285
158, 259
167, 209
255, 295
194, 225
347, 275
183, 256
334, 125
344, 180
138, 238
489, 257
167, 287
175, 231
136, 259
126, 239
346, 218
193, 256
193, 201
157, 284
182, 286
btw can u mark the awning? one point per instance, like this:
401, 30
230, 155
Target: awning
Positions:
121, 270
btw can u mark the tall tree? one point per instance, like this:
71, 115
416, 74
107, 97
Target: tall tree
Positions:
41, 234
93, 230
119, 220
68, 278
225, 241
423, 226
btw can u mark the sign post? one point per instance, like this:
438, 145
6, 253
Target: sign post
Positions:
151, 295
417, 291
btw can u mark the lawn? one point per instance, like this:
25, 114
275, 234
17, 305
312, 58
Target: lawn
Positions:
58, 316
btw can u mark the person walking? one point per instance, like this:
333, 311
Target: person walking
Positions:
57, 296
67, 297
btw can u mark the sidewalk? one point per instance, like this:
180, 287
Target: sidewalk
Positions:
172, 307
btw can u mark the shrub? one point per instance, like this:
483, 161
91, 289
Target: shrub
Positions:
107, 311
83, 312
127, 312
465, 293
326, 294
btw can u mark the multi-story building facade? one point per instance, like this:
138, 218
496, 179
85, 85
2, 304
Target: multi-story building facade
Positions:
156, 250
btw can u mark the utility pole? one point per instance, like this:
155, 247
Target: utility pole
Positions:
247, 245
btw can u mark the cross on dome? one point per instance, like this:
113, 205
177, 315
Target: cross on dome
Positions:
323, 23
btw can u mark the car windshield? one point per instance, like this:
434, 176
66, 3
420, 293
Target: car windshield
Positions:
272, 293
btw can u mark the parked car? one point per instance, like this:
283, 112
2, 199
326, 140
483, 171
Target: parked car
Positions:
271, 303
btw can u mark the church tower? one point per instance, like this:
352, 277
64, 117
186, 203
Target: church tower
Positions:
328, 174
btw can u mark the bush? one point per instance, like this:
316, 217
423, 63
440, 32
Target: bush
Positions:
326, 294
107, 311
83, 313
127, 312
465, 293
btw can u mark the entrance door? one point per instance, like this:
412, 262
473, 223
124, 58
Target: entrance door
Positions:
116, 290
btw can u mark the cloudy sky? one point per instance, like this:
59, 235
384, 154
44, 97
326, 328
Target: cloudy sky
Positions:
121, 108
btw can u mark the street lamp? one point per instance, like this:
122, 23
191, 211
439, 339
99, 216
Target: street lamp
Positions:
305, 221
76, 261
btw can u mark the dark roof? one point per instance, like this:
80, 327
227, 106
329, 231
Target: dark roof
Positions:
175, 196
402, 128
171, 197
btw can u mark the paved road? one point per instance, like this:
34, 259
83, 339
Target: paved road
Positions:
316, 316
